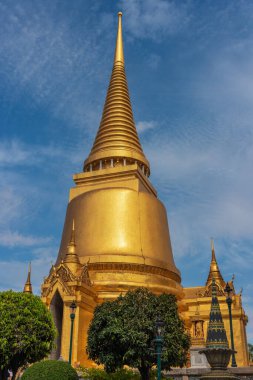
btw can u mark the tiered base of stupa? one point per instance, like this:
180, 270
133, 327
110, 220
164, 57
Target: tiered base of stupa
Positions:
219, 375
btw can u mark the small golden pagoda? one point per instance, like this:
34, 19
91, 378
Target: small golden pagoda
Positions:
116, 234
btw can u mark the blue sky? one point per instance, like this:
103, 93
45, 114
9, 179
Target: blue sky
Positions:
189, 68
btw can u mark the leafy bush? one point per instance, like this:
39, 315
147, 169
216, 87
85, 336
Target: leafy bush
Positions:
122, 374
99, 374
50, 369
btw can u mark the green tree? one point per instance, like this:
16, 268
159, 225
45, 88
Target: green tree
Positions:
122, 332
27, 330
250, 349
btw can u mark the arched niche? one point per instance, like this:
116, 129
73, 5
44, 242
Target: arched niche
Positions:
56, 308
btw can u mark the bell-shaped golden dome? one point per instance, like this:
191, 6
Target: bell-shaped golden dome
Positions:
126, 230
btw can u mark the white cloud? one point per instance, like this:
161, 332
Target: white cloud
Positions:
43, 57
24, 195
14, 153
154, 19
13, 273
12, 204
12, 239
153, 61
143, 126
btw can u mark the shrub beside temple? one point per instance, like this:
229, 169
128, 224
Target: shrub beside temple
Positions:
50, 369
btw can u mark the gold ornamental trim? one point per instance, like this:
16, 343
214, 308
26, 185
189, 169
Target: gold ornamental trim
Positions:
139, 268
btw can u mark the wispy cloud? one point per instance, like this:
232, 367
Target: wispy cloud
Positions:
15, 239
12, 204
154, 19
45, 58
15, 153
23, 194
153, 61
143, 126
14, 272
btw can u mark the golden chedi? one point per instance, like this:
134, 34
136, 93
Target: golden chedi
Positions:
116, 234
121, 234
121, 228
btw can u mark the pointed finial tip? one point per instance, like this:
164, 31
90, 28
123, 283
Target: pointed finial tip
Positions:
119, 55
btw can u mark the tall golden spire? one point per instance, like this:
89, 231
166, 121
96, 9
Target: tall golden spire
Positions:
71, 255
119, 53
28, 284
117, 141
214, 271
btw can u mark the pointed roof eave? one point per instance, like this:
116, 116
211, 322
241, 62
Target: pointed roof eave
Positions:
28, 284
214, 271
117, 136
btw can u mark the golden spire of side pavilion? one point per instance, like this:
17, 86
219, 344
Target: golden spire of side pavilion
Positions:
117, 140
214, 271
71, 255
28, 284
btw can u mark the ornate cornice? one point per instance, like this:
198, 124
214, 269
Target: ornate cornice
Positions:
137, 268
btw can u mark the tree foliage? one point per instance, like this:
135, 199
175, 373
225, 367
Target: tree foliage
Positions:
122, 332
50, 369
99, 374
27, 330
120, 374
250, 349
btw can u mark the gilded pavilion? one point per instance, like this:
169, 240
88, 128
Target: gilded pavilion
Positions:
116, 237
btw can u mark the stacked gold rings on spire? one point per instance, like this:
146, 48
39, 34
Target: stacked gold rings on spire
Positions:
117, 141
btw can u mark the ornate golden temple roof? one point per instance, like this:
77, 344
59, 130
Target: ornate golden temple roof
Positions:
214, 271
28, 284
117, 137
